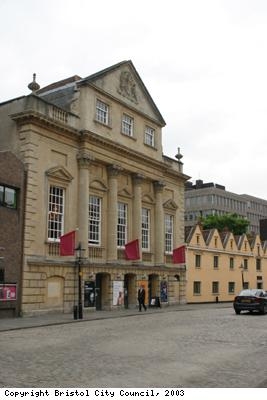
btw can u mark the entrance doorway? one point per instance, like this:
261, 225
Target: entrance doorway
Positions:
102, 292
153, 286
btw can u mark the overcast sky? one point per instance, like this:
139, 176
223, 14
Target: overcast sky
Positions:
204, 62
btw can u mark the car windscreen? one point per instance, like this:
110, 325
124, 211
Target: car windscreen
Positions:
248, 292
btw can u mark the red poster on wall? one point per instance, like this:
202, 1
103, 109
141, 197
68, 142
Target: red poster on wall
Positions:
8, 292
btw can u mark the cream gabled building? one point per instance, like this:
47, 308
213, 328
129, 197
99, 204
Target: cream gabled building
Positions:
92, 149
220, 264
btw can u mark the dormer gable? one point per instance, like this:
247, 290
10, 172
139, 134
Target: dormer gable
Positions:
229, 243
213, 239
256, 246
195, 237
243, 243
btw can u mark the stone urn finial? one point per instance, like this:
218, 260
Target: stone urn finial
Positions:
33, 86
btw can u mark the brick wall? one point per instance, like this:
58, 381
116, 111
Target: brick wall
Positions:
11, 229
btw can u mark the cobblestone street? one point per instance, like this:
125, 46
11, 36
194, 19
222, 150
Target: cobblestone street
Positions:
201, 347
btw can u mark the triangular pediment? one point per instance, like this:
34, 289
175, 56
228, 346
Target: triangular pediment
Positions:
125, 193
147, 198
123, 82
170, 204
98, 185
59, 173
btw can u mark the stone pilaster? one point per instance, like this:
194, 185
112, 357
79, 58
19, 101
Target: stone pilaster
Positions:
84, 159
159, 223
113, 172
137, 210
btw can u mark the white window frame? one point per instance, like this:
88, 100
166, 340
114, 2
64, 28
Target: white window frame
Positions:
102, 112
145, 229
94, 220
149, 136
168, 224
56, 205
127, 125
122, 224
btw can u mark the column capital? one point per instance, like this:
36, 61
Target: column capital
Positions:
84, 159
114, 170
138, 178
158, 186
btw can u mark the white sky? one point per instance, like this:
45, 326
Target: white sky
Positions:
204, 62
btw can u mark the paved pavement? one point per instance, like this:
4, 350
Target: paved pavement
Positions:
186, 346
7, 324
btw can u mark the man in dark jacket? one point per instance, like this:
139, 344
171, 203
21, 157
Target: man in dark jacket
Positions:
141, 297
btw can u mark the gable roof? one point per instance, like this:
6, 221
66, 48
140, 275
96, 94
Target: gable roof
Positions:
94, 77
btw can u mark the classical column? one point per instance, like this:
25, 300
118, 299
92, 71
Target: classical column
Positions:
113, 172
159, 224
84, 159
137, 210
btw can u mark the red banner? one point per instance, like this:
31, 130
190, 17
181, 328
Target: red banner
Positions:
132, 250
178, 255
67, 244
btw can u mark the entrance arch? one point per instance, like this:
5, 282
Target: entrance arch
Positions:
153, 286
102, 292
130, 290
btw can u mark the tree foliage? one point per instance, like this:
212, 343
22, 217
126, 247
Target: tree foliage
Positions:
230, 222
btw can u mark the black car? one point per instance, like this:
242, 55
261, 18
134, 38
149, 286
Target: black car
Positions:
251, 300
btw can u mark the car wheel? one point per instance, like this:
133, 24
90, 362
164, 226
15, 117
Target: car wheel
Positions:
262, 311
237, 311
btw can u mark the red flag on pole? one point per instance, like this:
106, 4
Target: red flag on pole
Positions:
178, 255
67, 244
132, 250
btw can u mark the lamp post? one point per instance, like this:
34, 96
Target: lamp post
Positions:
78, 311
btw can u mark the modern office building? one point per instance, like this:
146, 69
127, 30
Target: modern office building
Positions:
202, 199
92, 151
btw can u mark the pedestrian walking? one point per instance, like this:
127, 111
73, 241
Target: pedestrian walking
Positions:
141, 297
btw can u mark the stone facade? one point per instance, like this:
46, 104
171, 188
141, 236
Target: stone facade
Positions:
92, 149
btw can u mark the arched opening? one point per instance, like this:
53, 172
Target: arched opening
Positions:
153, 286
102, 292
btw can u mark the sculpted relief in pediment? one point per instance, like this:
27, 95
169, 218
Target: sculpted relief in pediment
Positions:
127, 87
